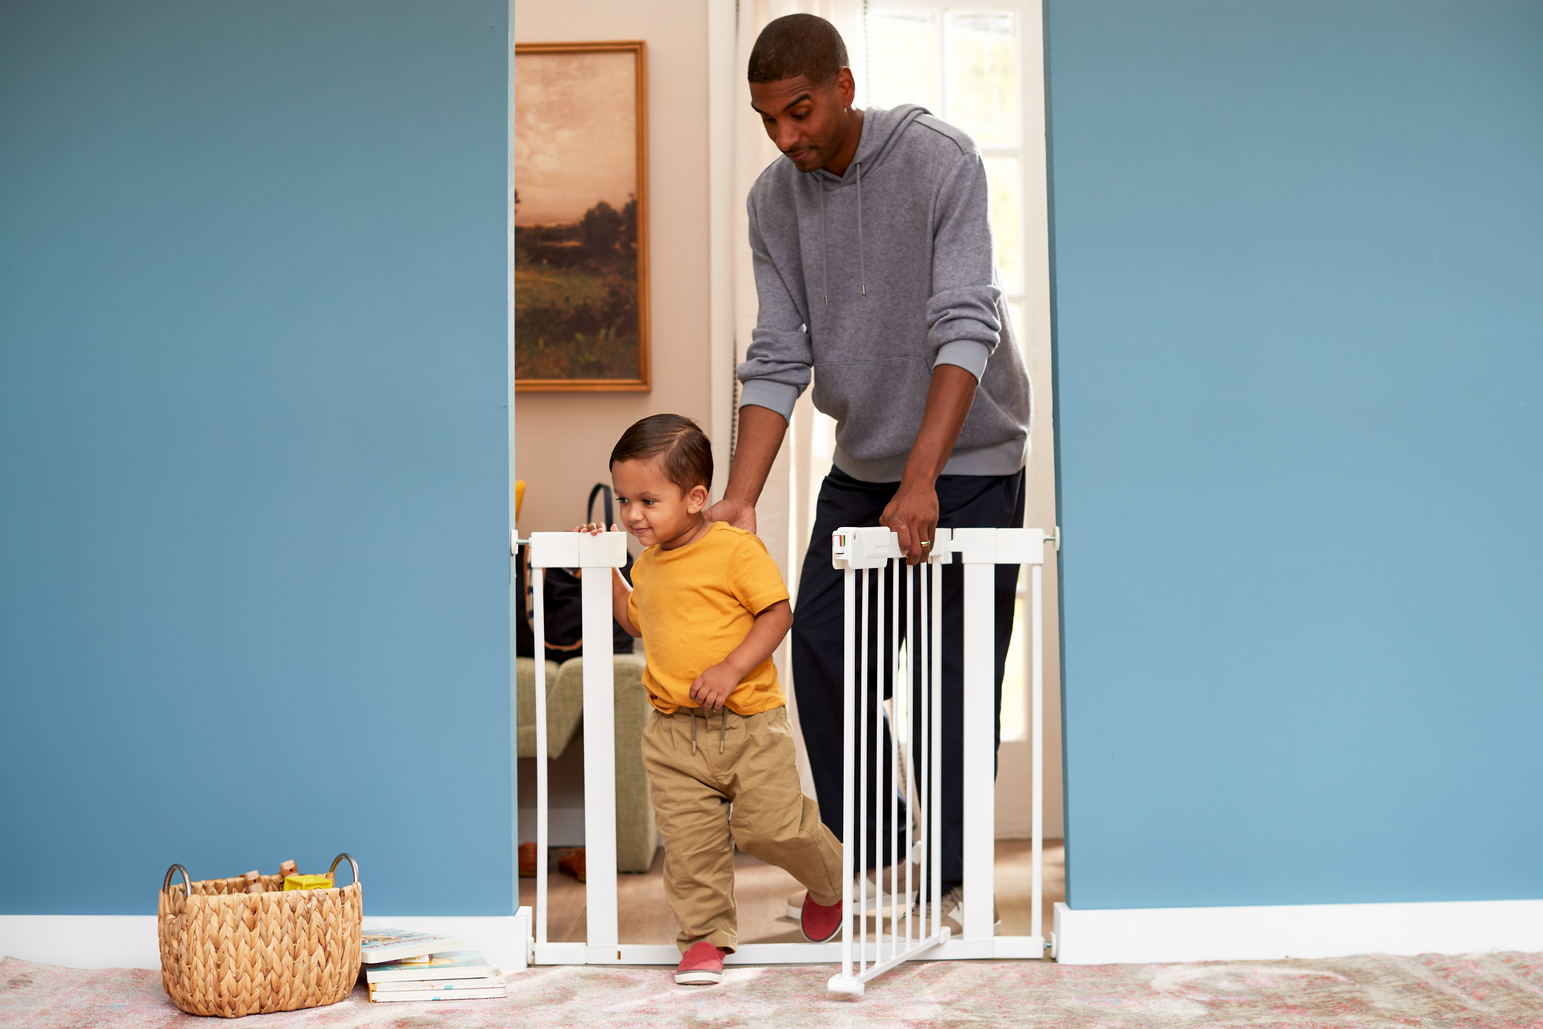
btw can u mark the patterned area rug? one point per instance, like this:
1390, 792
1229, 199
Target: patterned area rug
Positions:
1483, 991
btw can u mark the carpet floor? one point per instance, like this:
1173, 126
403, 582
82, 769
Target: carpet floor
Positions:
1482, 991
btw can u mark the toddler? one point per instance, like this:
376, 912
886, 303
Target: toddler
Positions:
711, 607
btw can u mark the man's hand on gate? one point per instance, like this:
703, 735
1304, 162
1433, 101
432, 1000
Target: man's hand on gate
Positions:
913, 514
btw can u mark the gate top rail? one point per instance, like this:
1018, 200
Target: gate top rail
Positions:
874, 546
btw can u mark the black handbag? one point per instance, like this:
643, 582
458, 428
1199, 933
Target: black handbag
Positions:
563, 604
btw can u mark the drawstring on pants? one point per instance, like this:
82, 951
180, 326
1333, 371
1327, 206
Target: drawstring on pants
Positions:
723, 727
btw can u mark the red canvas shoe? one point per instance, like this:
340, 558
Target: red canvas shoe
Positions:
820, 922
702, 965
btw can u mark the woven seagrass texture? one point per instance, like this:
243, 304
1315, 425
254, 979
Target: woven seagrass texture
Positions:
230, 953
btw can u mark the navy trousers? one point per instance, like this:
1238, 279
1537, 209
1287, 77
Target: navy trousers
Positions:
964, 501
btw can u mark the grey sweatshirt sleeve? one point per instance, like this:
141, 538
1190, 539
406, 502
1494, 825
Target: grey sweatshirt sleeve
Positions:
963, 326
777, 363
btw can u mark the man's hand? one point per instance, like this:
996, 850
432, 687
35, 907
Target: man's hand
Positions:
913, 514
713, 686
760, 437
736, 512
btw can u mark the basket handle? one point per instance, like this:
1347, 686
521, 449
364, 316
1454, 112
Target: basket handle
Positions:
331, 870
188, 883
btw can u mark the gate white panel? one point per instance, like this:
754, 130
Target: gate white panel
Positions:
872, 944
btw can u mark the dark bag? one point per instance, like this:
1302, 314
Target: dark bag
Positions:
563, 608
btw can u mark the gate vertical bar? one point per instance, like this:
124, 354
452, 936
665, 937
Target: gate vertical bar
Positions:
537, 577
1037, 714
935, 805
878, 762
913, 805
925, 702
895, 739
601, 929
979, 553
848, 752
861, 871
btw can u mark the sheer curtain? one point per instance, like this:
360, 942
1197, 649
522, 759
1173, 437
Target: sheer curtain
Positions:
783, 512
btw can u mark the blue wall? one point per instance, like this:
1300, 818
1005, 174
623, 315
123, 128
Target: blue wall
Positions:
1299, 279
253, 448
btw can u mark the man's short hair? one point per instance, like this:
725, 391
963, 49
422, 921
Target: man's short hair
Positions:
798, 44
676, 440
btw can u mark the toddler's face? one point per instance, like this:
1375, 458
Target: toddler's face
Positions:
653, 508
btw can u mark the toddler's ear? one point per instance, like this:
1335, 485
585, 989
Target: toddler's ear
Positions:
696, 499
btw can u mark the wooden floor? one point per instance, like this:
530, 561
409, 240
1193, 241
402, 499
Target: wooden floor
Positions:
762, 891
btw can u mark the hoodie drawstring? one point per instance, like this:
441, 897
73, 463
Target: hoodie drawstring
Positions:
862, 271
824, 242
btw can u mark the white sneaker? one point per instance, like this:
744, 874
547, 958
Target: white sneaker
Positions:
877, 901
950, 912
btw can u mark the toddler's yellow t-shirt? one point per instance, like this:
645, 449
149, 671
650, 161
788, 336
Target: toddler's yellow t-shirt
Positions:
694, 605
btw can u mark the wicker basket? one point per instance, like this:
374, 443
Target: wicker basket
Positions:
230, 953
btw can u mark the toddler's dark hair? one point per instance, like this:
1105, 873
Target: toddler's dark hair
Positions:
797, 44
686, 453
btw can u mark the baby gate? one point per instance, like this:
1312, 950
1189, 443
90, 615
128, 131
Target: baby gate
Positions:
913, 931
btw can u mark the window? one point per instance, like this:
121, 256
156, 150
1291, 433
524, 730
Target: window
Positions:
965, 65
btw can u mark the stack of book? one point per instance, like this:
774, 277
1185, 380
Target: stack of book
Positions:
402, 965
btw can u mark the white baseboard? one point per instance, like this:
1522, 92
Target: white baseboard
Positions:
1142, 935
129, 941
81, 941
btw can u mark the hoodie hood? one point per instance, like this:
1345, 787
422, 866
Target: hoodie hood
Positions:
880, 133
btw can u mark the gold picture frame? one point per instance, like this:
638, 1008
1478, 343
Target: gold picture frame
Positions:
581, 241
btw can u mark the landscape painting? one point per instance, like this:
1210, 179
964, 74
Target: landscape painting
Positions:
580, 217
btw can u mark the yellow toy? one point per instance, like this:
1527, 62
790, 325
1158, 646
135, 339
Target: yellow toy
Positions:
308, 882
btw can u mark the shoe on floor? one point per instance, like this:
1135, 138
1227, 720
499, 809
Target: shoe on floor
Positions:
951, 916
795, 902
819, 922
571, 862
701, 966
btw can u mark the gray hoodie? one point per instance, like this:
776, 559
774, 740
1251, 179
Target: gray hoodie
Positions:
871, 279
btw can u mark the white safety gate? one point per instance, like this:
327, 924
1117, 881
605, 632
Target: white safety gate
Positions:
889, 933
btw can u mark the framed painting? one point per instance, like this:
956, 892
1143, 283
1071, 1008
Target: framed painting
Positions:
580, 217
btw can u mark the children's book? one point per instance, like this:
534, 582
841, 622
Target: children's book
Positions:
480, 983
379, 996
455, 964
379, 945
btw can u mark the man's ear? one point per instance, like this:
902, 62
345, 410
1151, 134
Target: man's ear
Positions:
846, 87
696, 499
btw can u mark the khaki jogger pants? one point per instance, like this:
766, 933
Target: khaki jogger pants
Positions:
731, 779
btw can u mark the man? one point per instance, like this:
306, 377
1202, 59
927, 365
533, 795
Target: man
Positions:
874, 270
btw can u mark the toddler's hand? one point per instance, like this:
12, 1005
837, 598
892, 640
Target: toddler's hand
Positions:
594, 528
713, 687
